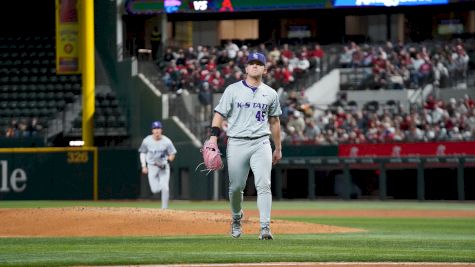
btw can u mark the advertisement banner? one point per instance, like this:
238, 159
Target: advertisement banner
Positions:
67, 37
48, 173
407, 149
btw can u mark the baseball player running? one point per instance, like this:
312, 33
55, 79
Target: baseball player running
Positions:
250, 107
156, 152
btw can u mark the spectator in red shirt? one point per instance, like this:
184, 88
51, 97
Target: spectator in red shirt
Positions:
468, 100
286, 52
216, 81
317, 56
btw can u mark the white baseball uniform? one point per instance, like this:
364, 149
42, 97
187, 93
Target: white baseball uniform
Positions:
247, 110
157, 152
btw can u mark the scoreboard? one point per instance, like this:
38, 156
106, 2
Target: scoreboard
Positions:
203, 6
136, 7
387, 3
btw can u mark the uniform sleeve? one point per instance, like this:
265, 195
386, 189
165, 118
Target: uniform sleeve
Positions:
224, 105
274, 109
143, 147
171, 149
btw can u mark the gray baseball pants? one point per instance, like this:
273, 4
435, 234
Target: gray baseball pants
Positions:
243, 155
159, 180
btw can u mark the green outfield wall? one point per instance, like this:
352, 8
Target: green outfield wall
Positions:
47, 173
118, 173
114, 173
91, 173
22, 142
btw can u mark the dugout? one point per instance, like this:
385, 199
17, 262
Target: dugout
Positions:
425, 178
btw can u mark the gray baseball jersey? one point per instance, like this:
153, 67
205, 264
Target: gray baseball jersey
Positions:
247, 109
157, 151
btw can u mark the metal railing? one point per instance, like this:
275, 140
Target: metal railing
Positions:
191, 120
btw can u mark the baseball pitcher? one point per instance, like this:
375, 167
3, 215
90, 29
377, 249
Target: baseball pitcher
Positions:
252, 110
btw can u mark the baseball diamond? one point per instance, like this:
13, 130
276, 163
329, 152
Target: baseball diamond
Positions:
326, 133
308, 233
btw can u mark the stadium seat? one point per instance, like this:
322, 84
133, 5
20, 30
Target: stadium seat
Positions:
40, 96
59, 95
69, 97
114, 103
68, 87
50, 95
49, 87
7, 112
100, 121
60, 104
372, 106
16, 112
35, 112
43, 112
112, 122
31, 104
76, 88
59, 87
22, 96
4, 121
23, 88
51, 104
13, 96
108, 111
41, 104
122, 121
104, 103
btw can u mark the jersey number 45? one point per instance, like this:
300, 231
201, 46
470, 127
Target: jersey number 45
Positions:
261, 115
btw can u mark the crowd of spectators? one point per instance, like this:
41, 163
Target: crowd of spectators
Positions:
399, 66
391, 65
207, 70
18, 128
437, 120
212, 68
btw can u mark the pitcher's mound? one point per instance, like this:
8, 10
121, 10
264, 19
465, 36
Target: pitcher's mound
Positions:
87, 221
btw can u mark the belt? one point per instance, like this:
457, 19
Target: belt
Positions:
248, 138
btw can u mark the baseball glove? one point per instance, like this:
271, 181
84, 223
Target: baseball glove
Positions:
211, 157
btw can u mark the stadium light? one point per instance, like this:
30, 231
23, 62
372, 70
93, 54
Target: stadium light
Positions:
76, 143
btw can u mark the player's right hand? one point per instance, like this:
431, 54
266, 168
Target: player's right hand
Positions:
276, 156
144, 170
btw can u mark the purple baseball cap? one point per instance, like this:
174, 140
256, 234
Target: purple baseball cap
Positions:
156, 124
256, 57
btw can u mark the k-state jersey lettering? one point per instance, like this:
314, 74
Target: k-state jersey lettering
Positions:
248, 109
157, 151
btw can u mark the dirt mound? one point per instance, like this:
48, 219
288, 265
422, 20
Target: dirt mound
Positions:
87, 221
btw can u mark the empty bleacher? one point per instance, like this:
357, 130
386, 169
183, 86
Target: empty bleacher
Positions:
31, 89
108, 118
29, 86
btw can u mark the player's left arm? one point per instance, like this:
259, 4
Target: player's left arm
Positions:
274, 123
171, 157
171, 150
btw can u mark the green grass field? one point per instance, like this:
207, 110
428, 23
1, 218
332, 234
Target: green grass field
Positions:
386, 239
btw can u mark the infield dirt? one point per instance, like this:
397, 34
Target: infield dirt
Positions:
88, 221
93, 221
